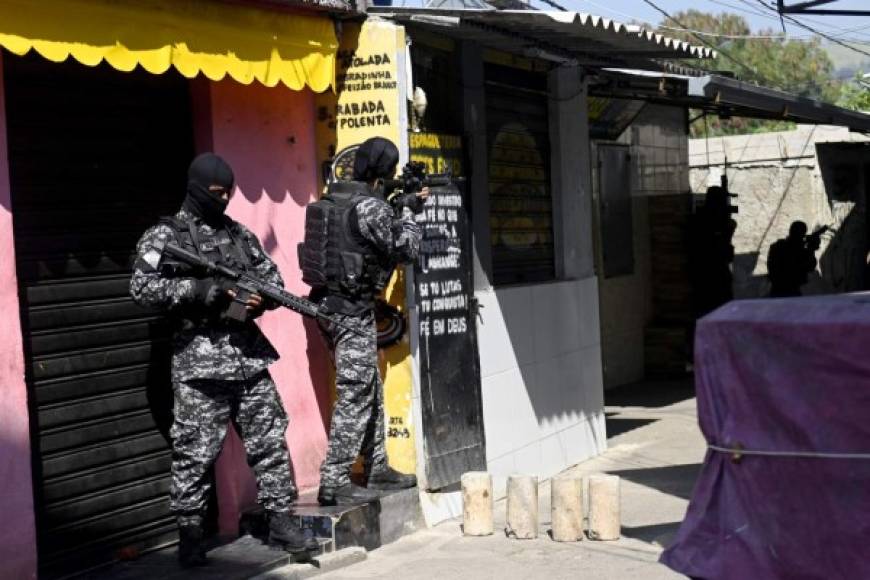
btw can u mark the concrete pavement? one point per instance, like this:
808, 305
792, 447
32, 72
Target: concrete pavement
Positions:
656, 448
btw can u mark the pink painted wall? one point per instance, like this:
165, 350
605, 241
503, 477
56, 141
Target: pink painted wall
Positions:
267, 136
18, 531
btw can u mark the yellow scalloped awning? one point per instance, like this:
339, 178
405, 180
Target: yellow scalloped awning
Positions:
194, 36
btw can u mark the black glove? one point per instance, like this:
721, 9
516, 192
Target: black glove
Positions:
410, 200
213, 292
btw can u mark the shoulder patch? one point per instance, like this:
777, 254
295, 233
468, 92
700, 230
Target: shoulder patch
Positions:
152, 258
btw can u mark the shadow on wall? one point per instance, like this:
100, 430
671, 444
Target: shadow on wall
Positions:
282, 123
840, 266
549, 336
844, 169
547, 321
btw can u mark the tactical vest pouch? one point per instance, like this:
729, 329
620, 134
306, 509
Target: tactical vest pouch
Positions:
312, 251
352, 267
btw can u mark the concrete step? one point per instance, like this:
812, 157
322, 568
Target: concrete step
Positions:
345, 533
238, 560
367, 525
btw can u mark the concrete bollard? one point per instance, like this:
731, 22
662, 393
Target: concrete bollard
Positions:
566, 508
604, 506
522, 507
476, 503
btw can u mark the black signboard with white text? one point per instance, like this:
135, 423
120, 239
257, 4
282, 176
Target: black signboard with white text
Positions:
449, 365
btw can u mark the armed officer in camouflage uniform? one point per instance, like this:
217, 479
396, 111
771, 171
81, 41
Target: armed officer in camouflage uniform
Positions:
354, 239
219, 366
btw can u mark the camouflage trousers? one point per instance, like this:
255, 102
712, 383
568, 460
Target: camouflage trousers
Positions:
358, 419
203, 411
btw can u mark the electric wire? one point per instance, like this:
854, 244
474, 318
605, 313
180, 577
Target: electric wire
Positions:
830, 29
703, 41
555, 5
797, 22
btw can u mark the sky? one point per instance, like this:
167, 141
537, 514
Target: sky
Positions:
852, 27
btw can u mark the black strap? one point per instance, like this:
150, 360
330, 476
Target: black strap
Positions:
194, 236
242, 251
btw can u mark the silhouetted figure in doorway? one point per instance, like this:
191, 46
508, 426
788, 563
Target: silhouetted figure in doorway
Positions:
711, 252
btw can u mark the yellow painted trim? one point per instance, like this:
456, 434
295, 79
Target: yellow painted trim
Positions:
368, 103
195, 37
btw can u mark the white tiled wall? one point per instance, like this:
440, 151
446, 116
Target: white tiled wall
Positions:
540, 358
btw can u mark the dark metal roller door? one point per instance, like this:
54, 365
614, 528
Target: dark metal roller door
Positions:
521, 205
95, 157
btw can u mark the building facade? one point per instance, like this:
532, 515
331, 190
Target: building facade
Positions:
104, 106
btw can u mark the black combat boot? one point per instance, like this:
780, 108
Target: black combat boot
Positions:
347, 494
191, 550
390, 479
284, 532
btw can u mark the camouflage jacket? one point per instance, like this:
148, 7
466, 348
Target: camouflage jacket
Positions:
215, 350
397, 238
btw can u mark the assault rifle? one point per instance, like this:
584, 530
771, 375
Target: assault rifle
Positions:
814, 240
413, 179
246, 285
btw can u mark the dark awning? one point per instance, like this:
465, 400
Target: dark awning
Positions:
723, 96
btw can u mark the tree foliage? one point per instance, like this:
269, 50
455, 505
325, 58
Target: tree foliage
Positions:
798, 67
856, 94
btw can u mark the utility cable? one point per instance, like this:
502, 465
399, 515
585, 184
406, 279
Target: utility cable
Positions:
555, 5
703, 41
797, 22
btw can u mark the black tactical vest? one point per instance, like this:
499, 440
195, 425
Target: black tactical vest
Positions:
335, 259
226, 246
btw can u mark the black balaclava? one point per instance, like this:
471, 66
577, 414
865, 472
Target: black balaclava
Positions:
376, 157
207, 169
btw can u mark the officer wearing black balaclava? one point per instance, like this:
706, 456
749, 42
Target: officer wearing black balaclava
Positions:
209, 188
348, 268
219, 366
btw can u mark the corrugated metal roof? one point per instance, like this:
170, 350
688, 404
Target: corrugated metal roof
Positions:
586, 38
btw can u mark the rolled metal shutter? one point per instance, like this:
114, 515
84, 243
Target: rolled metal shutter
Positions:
521, 203
95, 157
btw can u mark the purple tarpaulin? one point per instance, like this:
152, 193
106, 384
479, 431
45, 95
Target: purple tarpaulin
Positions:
785, 376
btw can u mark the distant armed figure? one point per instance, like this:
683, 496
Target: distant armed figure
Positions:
791, 259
